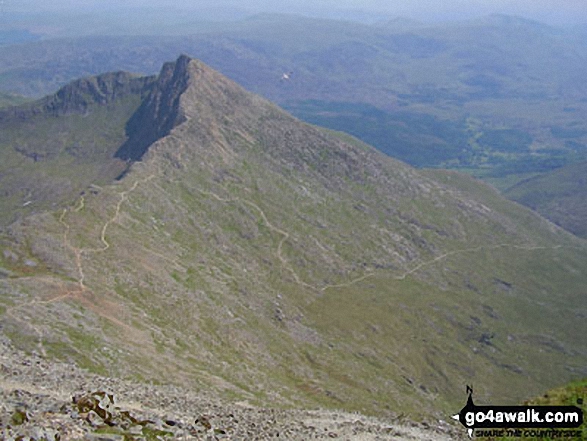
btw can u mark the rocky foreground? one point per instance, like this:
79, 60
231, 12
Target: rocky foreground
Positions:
41, 400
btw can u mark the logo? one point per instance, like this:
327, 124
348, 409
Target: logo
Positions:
514, 418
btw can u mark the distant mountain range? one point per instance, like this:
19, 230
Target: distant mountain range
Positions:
501, 97
183, 230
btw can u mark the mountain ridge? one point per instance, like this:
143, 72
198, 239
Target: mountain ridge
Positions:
445, 95
76, 96
262, 258
54, 148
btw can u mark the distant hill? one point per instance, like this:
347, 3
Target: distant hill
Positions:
267, 261
560, 196
16, 36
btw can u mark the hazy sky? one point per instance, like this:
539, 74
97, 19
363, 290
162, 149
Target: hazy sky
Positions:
543, 10
550, 11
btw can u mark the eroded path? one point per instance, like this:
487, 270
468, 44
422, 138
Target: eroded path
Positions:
78, 292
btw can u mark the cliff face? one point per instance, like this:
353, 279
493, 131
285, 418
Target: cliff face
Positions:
159, 112
102, 89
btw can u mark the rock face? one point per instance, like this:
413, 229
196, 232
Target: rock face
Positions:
159, 113
53, 149
102, 89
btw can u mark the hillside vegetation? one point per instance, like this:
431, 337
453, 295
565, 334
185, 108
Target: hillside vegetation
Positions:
560, 196
572, 394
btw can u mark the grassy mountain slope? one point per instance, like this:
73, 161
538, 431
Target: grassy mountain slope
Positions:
262, 258
54, 148
560, 196
572, 394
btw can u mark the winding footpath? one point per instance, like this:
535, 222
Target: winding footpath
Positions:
78, 253
285, 236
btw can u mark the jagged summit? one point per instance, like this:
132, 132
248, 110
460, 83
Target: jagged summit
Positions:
101, 89
160, 111
221, 120
188, 89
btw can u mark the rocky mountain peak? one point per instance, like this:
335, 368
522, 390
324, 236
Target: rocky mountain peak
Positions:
249, 248
159, 112
184, 89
